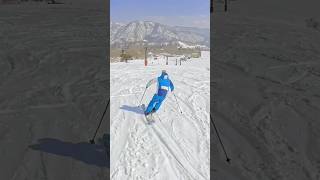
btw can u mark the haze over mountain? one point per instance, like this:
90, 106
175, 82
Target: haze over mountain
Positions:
138, 32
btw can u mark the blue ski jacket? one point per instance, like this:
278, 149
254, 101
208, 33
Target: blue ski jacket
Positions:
164, 84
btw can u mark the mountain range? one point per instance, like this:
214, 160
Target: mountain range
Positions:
156, 34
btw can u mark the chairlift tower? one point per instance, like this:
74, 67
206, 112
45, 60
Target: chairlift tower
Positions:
145, 42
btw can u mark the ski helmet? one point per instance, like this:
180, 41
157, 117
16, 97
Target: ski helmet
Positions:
164, 74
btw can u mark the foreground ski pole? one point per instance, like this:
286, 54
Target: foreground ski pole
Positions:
143, 95
94, 136
215, 128
177, 102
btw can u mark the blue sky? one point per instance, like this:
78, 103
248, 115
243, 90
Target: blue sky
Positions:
171, 12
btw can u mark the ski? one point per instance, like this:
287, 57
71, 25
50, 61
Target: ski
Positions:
149, 118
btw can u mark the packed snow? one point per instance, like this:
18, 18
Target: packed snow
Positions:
176, 146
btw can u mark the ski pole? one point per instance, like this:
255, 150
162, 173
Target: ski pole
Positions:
94, 136
177, 102
143, 96
215, 128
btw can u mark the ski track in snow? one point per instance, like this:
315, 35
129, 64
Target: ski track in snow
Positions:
176, 146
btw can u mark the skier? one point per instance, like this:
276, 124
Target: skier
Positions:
164, 84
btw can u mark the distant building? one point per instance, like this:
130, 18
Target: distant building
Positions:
195, 55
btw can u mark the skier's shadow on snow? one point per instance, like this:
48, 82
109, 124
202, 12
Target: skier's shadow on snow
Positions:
93, 154
135, 109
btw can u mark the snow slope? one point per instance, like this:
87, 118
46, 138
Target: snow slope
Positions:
176, 146
266, 89
53, 88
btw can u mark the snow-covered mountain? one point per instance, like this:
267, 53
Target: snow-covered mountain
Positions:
114, 27
138, 32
